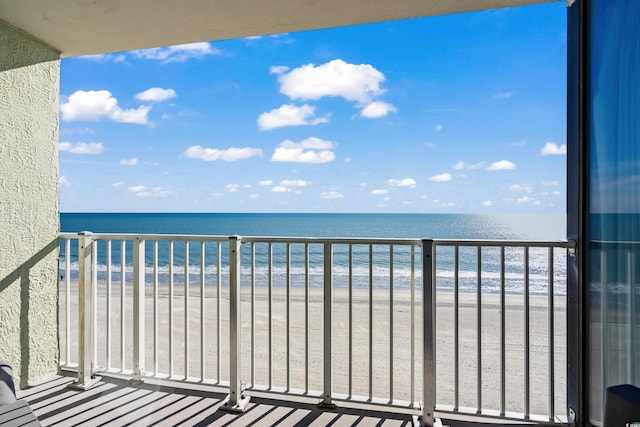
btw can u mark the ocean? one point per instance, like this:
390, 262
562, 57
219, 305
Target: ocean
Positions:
363, 275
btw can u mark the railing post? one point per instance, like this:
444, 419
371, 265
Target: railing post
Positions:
235, 402
427, 418
85, 314
138, 309
326, 402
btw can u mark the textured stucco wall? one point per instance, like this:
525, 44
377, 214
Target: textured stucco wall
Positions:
29, 207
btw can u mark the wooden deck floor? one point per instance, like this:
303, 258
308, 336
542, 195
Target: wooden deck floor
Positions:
114, 402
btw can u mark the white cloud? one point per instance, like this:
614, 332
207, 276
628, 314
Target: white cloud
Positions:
467, 166
521, 187
310, 150
294, 183
254, 196
280, 189
406, 182
64, 182
229, 155
278, 69
179, 53
97, 105
142, 191
551, 183
118, 184
82, 147
330, 195
524, 199
156, 94
487, 203
105, 57
443, 177
377, 109
265, 182
553, 149
380, 192
501, 165
289, 115
438, 128
232, 188
502, 95
358, 83
129, 162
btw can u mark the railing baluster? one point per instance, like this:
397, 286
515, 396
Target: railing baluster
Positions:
479, 328
94, 296
327, 394
428, 328
527, 406
219, 309
85, 314
370, 322
155, 308
186, 309
456, 326
108, 316
138, 309
67, 300
236, 401
123, 253
631, 317
288, 317
350, 321
253, 314
306, 317
412, 362
270, 311
503, 367
203, 269
170, 256
604, 318
551, 352
390, 323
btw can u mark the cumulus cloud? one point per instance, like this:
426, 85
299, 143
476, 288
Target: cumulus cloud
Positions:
232, 188
280, 189
443, 177
105, 57
129, 162
178, 53
64, 182
82, 147
551, 183
377, 109
380, 192
331, 195
156, 94
406, 182
118, 184
487, 203
94, 105
501, 165
310, 150
265, 182
289, 115
142, 191
467, 166
553, 149
521, 187
278, 69
438, 128
359, 83
229, 155
294, 183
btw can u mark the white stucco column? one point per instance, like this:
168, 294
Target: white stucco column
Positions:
29, 205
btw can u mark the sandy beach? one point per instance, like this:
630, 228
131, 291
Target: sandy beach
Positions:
208, 322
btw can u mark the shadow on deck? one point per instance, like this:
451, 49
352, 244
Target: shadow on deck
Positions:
115, 402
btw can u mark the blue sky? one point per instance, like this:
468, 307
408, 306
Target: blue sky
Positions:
454, 114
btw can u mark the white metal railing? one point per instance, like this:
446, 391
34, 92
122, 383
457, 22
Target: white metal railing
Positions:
340, 319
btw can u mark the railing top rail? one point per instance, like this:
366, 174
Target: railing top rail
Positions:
332, 240
506, 243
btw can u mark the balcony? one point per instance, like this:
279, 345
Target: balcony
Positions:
291, 323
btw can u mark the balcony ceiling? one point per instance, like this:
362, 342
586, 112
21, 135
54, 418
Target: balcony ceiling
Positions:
81, 27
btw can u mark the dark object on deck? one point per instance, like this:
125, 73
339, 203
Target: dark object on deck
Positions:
7, 389
621, 406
